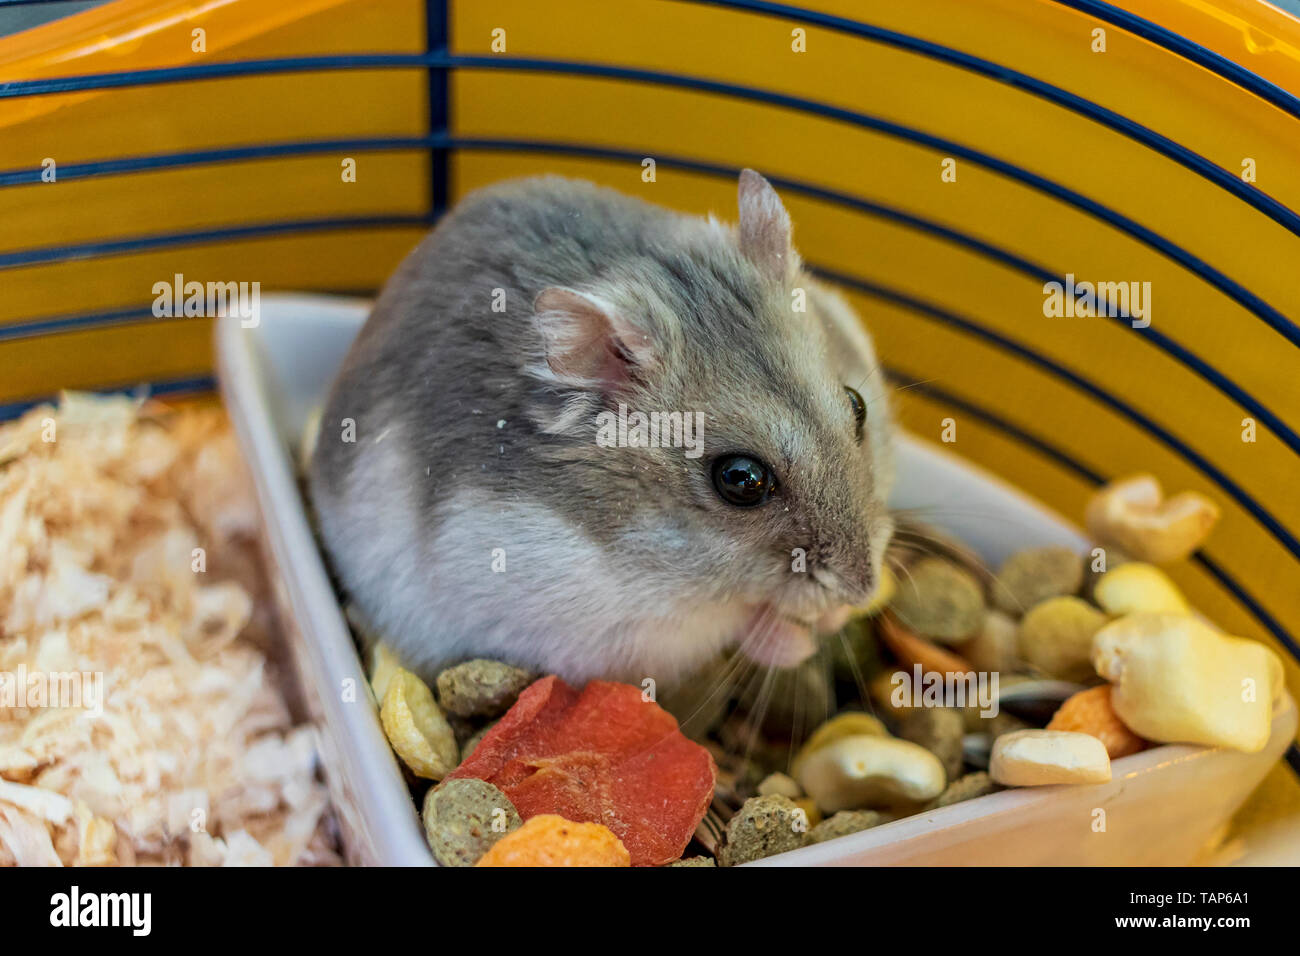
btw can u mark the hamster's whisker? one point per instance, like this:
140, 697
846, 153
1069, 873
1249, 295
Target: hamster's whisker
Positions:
730, 676
759, 711
896, 388
739, 670
858, 680
763, 629
821, 659
909, 533
796, 729
876, 370
733, 672
904, 387
760, 628
901, 568
930, 511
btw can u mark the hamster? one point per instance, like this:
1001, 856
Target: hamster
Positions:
482, 483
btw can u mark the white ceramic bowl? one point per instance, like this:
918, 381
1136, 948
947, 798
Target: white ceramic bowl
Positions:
1161, 807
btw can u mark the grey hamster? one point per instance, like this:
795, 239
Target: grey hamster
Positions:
470, 489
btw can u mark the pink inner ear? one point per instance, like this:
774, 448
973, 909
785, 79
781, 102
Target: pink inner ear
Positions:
764, 225
583, 347
598, 361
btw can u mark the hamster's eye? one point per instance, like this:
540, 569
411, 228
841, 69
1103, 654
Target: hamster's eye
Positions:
742, 481
859, 408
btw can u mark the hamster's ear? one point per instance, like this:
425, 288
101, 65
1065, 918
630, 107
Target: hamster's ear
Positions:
588, 344
764, 226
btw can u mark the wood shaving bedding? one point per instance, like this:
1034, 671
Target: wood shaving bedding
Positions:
194, 759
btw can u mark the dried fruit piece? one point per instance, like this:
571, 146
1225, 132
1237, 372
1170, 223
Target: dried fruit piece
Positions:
605, 755
1133, 514
1138, 588
870, 771
416, 727
695, 861
464, 818
1032, 576
911, 649
1090, 712
550, 840
1178, 681
763, 826
480, 688
1034, 758
1056, 638
939, 600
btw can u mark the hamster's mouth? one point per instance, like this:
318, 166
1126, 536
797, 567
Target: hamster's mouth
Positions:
774, 639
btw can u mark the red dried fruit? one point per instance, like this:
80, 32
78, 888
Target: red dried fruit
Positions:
603, 756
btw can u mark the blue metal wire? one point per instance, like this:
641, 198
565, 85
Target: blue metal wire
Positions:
994, 253
1234, 290
113, 247
1189, 50
1041, 89
436, 39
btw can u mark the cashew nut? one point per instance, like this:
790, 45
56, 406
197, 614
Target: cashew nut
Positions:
1133, 514
1034, 758
1177, 680
870, 771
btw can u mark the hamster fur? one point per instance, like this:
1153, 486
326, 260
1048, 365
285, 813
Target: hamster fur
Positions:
473, 512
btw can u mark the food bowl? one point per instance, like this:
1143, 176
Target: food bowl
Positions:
1161, 807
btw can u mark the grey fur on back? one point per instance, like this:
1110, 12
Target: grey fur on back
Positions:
469, 451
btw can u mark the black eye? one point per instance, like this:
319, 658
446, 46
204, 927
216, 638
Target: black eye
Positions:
742, 481
859, 408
